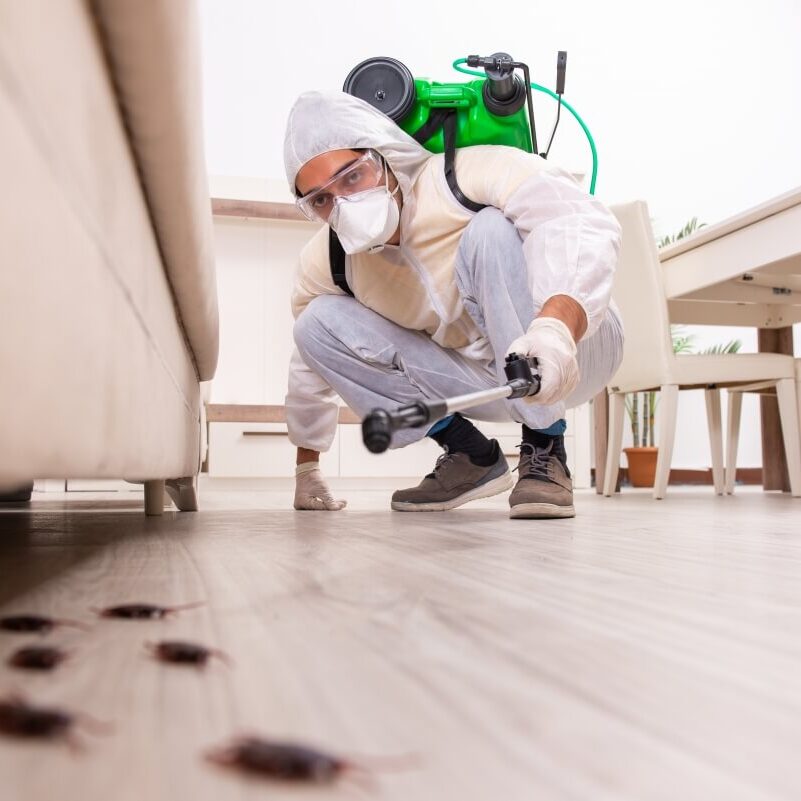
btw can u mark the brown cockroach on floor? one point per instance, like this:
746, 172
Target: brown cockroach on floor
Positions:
180, 652
298, 763
37, 657
25, 624
139, 611
18, 718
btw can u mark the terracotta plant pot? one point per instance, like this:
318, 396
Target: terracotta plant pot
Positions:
642, 466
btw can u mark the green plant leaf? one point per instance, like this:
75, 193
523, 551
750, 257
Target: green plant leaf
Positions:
689, 227
730, 347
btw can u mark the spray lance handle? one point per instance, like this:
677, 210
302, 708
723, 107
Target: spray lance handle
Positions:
522, 375
523, 379
561, 69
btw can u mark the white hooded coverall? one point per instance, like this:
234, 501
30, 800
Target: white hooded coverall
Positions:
418, 327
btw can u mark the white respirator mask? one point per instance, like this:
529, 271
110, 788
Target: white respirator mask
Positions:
366, 220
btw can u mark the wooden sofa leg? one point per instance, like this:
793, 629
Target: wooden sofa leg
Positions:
19, 494
183, 492
154, 497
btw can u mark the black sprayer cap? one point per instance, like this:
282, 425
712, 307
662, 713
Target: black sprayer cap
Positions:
385, 83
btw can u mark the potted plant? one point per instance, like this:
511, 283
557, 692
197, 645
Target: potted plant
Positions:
641, 457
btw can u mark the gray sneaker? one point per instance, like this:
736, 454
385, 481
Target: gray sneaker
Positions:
455, 480
544, 489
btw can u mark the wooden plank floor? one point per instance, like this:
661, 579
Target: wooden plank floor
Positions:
645, 650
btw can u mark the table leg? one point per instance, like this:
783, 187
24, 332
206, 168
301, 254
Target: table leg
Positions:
774, 460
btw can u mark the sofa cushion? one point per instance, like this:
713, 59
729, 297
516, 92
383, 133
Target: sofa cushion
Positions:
97, 381
98, 375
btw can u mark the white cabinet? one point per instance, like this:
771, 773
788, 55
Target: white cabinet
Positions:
253, 450
241, 277
240, 450
356, 461
101, 485
256, 262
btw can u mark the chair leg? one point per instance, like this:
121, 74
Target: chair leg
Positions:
668, 406
183, 492
788, 414
715, 425
732, 438
617, 409
154, 497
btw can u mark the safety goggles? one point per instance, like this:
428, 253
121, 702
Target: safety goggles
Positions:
361, 175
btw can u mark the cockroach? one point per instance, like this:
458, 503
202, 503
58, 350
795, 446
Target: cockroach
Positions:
143, 611
296, 763
18, 718
37, 657
185, 653
285, 761
36, 623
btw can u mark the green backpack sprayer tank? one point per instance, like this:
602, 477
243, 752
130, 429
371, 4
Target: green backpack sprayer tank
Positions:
493, 109
489, 111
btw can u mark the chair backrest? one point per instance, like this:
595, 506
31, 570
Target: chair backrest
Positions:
639, 293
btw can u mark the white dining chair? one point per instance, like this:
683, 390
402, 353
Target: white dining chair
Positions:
650, 364
788, 405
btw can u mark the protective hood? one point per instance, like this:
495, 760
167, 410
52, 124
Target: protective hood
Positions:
323, 121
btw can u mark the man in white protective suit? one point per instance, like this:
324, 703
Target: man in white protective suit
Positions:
435, 297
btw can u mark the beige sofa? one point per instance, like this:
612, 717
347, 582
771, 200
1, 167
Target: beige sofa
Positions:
108, 307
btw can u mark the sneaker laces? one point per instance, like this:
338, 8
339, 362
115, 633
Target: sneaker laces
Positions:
534, 461
442, 460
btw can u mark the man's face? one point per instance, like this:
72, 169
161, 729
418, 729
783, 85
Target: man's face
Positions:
317, 172
321, 169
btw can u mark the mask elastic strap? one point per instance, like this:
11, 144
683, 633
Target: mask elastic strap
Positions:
386, 178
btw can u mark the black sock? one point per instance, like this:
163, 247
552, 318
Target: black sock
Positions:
461, 436
540, 440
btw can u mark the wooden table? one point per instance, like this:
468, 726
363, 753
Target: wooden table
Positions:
743, 271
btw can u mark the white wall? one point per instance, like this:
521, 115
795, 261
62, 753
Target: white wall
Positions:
693, 106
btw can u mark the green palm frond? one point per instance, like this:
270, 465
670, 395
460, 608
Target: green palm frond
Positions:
682, 341
690, 227
730, 347
683, 344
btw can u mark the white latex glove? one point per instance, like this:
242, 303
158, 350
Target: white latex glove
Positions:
551, 342
311, 491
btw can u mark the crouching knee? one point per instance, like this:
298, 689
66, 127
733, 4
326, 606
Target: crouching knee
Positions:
489, 227
318, 322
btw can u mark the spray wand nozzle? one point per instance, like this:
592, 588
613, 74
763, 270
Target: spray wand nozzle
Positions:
502, 62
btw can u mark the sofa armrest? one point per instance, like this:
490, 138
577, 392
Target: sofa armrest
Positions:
152, 50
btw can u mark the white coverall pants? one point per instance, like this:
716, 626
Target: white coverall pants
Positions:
372, 362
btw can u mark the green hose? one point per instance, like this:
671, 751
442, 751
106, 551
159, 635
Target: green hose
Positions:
475, 73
